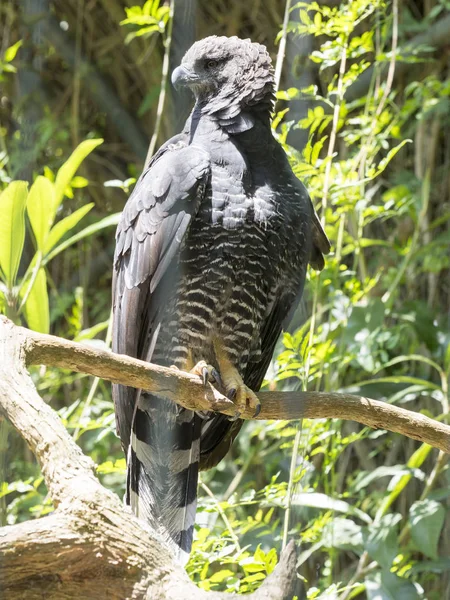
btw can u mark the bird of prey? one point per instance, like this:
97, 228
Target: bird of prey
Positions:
211, 255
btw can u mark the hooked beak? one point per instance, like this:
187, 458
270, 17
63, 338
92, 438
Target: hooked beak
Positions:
182, 76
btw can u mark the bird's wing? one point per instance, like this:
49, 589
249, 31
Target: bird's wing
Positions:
149, 235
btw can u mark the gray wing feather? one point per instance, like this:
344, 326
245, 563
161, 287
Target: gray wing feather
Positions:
148, 238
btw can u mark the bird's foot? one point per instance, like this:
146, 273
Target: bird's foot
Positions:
242, 396
207, 372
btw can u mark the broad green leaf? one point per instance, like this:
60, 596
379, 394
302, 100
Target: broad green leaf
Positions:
65, 225
12, 229
40, 209
221, 575
343, 534
365, 478
69, 168
427, 519
388, 586
89, 230
36, 308
431, 566
382, 540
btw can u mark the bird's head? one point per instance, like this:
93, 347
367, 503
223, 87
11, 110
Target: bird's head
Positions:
225, 72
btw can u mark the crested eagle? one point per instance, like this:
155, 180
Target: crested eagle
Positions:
210, 262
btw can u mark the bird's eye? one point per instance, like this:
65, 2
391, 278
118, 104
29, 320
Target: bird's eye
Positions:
211, 64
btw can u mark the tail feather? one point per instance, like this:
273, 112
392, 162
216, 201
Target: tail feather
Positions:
162, 468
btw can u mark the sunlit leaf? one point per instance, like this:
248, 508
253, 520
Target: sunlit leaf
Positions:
10, 53
70, 167
382, 539
388, 586
427, 519
324, 502
109, 221
64, 226
12, 228
39, 209
37, 311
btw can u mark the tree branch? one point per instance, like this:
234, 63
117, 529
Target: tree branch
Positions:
188, 391
91, 547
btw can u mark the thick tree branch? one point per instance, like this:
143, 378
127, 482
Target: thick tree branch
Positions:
187, 390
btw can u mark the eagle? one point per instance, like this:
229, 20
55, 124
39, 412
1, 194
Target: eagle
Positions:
210, 262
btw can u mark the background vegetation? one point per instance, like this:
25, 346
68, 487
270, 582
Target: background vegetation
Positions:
364, 113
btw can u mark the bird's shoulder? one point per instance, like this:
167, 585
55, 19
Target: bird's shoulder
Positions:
159, 210
170, 178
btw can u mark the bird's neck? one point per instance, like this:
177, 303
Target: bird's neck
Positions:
230, 114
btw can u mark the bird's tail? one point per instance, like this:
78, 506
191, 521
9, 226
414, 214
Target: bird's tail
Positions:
162, 470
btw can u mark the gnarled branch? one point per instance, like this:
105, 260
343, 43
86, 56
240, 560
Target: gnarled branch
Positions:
91, 547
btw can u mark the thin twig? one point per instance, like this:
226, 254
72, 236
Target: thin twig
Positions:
334, 127
164, 78
222, 513
282, 46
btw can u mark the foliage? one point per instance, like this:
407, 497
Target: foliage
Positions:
369, 509
151, 18
29, 296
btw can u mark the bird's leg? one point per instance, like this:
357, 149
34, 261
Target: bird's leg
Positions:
232, 381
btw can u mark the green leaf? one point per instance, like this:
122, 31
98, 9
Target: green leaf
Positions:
427, 519
322, 501
65, 225
388, 586
39, 209
10, 53
343, 534
69, 168
221, 576
89, 230
365, 478
382, 540
91, 332
387, 159
37, 311
12, 229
